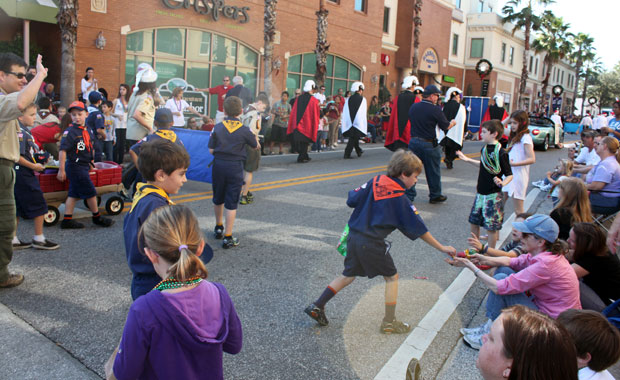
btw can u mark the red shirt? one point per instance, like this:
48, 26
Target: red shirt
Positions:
341, 104
45, 133
220, 91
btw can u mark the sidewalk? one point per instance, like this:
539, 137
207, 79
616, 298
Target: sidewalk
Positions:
30, 355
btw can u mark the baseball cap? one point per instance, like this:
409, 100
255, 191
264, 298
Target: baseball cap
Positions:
430, 90
94, 97
76, 105
163, 116
540, 225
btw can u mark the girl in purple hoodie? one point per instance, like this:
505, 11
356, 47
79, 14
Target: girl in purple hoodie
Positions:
181, 328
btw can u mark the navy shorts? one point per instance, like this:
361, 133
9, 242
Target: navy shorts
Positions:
142, 283
227, 182
368, 258
80, 185
29, 199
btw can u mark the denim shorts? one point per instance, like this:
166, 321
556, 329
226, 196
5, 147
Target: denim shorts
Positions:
488, 211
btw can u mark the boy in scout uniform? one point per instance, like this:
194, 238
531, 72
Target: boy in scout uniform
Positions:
15, 96
76, 158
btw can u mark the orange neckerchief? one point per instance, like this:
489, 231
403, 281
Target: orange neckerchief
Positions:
385, 187
86, 137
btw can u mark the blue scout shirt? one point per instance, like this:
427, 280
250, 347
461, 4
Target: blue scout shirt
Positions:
229, 138
95, 120
146, 199
381, 207
27, 147
159, 134
78, 150
424, 116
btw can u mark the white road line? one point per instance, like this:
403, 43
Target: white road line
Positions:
425, 332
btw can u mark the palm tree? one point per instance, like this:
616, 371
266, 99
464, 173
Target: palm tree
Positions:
555, 41
269, 35
527, 20
68, 23
417, 23
321, 44
584, 52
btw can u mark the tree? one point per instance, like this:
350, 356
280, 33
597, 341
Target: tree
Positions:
606, 84
555, 41
527, 20
322, 46
584, 52
269, 36
68, 23
417, 24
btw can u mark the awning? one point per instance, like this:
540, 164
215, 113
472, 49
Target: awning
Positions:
35, 10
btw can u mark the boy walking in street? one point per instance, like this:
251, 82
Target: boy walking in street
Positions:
380, 207
488, 208
252, 119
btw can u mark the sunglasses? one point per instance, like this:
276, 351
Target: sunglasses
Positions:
18, 75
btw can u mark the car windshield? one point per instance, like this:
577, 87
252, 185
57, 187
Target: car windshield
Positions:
541, 121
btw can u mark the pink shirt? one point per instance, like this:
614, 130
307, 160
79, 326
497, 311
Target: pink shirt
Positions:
548, 277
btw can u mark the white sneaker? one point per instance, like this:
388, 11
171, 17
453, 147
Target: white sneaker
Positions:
477, 330
474, 340
546, 188
538, 183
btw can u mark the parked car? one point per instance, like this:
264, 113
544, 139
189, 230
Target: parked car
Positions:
542, 130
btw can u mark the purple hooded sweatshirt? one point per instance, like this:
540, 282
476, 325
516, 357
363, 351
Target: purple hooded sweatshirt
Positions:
179, 335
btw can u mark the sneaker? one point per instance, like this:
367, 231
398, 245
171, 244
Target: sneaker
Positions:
394, 327
538, 183
250, 196
124, 195
218, 231
48, 245
21, 245
477, 330
546, 188
473, 340
70, 224
244, 200
12, 281
317, 314
230, 242
103, 221
439, 199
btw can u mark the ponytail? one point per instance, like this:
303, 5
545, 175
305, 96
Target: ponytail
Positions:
187, 266
558, 247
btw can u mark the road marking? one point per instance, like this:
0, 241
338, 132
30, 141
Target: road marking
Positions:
420, 339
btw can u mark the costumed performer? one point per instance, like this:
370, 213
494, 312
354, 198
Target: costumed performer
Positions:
496, 111
399, 128
453, 140
354, 122
304, 121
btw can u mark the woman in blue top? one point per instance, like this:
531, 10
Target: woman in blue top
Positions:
603, 181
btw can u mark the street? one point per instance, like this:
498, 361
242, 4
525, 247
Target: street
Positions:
78, 296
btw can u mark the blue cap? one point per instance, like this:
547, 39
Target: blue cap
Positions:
94, 97
430, 90
540, 225
163, 116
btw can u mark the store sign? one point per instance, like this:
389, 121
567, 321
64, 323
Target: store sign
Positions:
196, 99
430, 61
449, 79
385, 59
216, 8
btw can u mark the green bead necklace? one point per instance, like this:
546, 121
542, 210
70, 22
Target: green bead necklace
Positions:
171, 283
491, 161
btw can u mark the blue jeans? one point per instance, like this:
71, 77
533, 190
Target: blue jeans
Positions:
108, 150
496, 302
431, 158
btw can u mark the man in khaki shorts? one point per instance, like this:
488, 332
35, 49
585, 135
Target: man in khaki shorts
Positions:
15, 96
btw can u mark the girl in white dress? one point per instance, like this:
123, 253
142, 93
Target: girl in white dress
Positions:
521, 153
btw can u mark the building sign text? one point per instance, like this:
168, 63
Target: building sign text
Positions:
216, 8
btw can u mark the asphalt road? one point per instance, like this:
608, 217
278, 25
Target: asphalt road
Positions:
78, 296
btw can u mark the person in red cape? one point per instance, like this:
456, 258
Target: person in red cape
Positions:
399, 128
304, 121
497, 112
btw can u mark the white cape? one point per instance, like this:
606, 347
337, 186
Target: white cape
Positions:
455, 133
361, 121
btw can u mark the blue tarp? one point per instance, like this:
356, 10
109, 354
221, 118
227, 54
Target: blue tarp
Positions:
572, 128
196, 143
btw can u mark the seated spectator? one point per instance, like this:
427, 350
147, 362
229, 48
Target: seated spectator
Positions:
573, 206
45, 115
524, 344
604, 180
562, 172
598, 270
513, 248
192, 124
597, 342
47, 91
47, 137
542, 279
208, 124
587, 157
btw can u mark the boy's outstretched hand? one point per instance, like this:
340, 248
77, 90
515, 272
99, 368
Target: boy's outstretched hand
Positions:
449, 250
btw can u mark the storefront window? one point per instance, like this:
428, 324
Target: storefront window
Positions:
340, 73
202, 58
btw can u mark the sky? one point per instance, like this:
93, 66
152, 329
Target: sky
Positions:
598, 18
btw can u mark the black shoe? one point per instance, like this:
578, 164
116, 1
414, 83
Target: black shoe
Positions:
218, 232
48, 245
346, 157
449, 164
229, 242
244, 200
250, 196
103, 221
317, 314
439, 199
359, 154
21, 245
70, 224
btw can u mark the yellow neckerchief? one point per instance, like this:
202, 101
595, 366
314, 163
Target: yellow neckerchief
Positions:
167, 134
232, 125
144, 189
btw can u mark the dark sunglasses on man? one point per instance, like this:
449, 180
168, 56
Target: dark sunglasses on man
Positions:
18, 75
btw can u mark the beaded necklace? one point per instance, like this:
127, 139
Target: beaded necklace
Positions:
171, 283
491, 161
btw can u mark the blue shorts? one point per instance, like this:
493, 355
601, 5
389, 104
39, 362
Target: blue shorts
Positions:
142, 283
80, 184
368, 258
227, 182
29, 199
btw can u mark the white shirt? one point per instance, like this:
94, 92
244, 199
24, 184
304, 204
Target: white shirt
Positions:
599, 122
120, 111
177, 106
85, 85
557, 119
587, 374
586, 121
588, 157
320, 97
